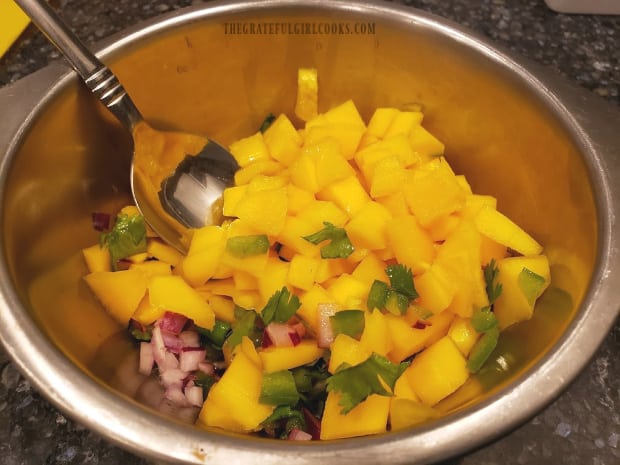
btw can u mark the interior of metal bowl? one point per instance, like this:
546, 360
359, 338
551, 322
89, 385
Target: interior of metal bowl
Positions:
204, 71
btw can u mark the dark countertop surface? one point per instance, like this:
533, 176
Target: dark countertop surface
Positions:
581, 427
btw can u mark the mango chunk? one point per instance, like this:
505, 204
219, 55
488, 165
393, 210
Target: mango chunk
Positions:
369, 417
306, 104
119, 292
437, 372
411, 244
405, 413
97, 258
172, 293
285, 358
346, 349
368, 228
282, 140
502, 229
249, 150
232, 403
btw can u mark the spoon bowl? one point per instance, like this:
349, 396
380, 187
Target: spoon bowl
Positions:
177, 179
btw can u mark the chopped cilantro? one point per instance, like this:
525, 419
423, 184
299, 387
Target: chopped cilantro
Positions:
349, 322
246, 324
356, 383
218, 334
268, 121
127, 237
377, 297
396, 303
282, 421
280, 307
401, 280
339, 247
490, 275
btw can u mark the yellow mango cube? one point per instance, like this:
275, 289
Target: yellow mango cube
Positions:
437, 372
298, 199
380, 121
368, 228
369, 417
223, 307
424, 143
348, 194
405, 413
172, 293
411, 244
303, 173
204, 254
249, 150
232, 196
282, 140
284, 358
330, 268
233, 402
503, 230
387, 177
435, 288
265, 211
403, 123
293, 233
395, 203
376, 336
119, 292
348, 291
346, 136
152, 268
97, 258
345, 113
309, 302
346, 349
463, 334
302, 271
370, 268
433, 191
157, 249
265, 167
523, 280
273, 278
330, 165
306, 103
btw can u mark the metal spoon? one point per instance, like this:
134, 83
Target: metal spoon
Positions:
175, 190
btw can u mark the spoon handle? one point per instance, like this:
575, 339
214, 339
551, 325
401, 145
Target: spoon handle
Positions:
98, 77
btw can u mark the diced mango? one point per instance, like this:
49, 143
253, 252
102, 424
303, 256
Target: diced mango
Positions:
348, 194
298, 199
387, 178
260, 167
502, 229
346, 136
437, 372
152, 268
157, 249
303, 173
265, 210
282, 140
405, 413
329, 164
347, 350
302, 271
284, 358
306, 103
348, 291
97, 258
172, 293
321, 211
369, 417
423, 142
249, 150
436, 288
433, 191
380, 121
463, 334
223, 307
309, 301
368, 227
233, 402
411, 244
523, 280
273, 278
232, 196
203, 257
119, 292
403, 123
369, 269
376, 336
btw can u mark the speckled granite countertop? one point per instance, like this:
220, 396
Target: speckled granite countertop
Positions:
581, 427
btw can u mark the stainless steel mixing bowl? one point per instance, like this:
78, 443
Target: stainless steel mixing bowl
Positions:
549, 152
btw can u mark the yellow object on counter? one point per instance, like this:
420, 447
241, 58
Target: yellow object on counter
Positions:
13, 21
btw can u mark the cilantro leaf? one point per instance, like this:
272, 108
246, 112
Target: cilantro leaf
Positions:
377, 297
246, 324
356, 383
490, 275
401, 280
128, 237
282, 421
349, 322
339, 247
280, 307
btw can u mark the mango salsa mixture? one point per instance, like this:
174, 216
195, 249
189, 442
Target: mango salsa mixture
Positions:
355, 282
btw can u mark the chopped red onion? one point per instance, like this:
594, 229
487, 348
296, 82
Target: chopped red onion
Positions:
190, 339
172, 322
194, 395
101, 221
189, 358
299, 435
299, 328
206, 367
295, 338
421, 324
312, 423
175, 394
325, 334
172, 377
146, 358
172, 342
279, 334
159, 348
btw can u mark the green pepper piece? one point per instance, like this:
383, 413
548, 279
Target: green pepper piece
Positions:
128, 237
483, 320
349, 322
482, 350
396, 303
219, 333
531, 284
246, 246
279, 388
